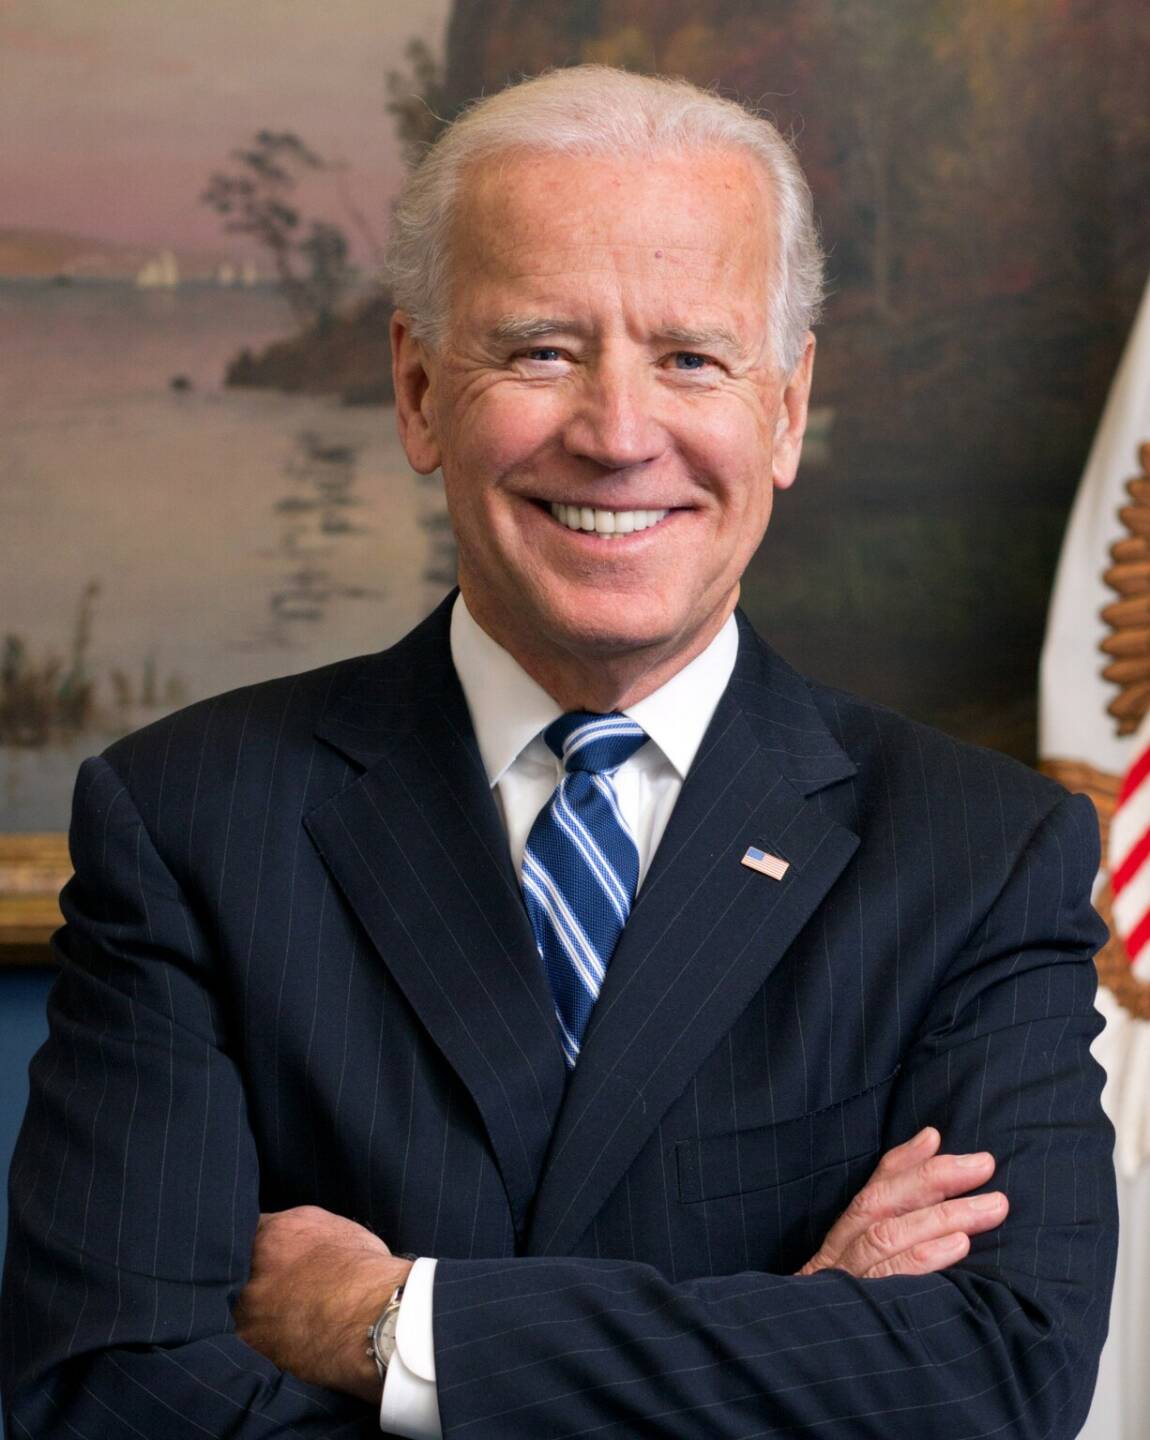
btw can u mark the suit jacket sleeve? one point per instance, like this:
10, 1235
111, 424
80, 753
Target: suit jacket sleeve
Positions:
136, 1190
1006, 1343
135, 1182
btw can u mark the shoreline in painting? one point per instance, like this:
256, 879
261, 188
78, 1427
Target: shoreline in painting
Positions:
160, 542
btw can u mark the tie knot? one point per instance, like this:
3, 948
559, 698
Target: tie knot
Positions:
596, 743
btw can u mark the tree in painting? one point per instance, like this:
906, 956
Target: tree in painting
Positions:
257, 199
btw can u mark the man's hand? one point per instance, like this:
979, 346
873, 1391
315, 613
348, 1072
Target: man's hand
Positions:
317, 1283
906, 1220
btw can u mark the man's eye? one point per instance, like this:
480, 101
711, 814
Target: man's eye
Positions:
691, 360
543, 352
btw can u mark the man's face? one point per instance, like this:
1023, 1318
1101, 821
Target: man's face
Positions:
607, 363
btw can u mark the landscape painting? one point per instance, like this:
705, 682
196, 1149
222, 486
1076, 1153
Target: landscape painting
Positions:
182, 511
200, 483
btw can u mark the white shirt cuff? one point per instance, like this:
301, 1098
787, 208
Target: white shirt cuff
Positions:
410, 1404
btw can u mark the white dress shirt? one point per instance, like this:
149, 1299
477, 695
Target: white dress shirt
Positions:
509, 712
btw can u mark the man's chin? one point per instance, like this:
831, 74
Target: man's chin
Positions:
612, 632
586, 627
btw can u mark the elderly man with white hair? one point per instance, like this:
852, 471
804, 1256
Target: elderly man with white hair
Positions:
571, 1021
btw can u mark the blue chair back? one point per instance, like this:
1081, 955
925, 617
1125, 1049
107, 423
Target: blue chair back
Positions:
23, 1028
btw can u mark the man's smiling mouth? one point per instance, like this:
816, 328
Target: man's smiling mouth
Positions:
606, 522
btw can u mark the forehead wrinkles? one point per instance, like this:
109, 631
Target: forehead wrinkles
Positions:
668, 242
566, 268
680, 205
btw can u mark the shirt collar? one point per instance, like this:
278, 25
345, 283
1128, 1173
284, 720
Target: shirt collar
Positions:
508, 709
676, 715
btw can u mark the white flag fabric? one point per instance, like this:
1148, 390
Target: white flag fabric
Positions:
1076, 731
1073, 723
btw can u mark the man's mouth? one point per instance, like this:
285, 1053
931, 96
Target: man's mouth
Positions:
611, 523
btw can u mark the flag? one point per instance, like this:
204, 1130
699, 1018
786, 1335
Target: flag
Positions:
766, 863
1128, 859
1095, 689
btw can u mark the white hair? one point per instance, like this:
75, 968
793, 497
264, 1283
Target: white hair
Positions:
598, 110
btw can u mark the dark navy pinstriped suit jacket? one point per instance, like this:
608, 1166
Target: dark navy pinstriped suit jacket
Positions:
297, 970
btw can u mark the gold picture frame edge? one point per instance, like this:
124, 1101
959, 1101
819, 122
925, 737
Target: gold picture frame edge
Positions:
33, 869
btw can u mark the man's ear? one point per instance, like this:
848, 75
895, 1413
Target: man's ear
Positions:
791, 423
411, 375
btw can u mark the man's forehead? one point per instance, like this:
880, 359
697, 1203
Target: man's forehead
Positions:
546, 220
648, 192
672, 247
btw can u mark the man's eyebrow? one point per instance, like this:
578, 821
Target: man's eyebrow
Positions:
521, 328
705, 339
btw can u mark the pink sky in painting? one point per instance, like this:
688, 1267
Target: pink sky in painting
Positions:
114, 113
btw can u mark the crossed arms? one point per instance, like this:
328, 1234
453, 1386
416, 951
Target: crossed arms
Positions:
121, 1320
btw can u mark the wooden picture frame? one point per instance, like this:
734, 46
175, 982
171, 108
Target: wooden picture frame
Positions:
33, 869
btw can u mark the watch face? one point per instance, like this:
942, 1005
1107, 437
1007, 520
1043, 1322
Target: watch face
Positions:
383, 1335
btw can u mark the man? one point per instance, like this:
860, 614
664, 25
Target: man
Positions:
577, 945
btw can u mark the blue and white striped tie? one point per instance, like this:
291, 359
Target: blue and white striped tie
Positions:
581, 867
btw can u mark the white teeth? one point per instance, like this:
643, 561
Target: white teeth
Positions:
606, 522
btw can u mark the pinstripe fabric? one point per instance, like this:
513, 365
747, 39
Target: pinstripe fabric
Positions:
298, 970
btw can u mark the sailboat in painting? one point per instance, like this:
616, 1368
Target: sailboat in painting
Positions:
162, 273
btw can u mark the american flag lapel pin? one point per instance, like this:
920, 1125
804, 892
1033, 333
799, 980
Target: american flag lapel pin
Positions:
773, 866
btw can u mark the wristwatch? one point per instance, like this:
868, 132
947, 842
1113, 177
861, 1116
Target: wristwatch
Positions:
381, 1335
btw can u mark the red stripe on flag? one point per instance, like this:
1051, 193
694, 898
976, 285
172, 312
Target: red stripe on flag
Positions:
1125, 872
1135, 942
1135, 775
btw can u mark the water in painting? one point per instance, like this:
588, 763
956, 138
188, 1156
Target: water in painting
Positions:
163, 538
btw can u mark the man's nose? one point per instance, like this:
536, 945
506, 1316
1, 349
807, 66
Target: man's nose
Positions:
613, 420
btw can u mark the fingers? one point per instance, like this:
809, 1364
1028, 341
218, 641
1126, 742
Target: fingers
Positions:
910, 1153
924, 1241
913, 1175
937, 1178
921, 1179
909, 1179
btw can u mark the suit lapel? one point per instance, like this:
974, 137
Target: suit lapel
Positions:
417, 848
705, 933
